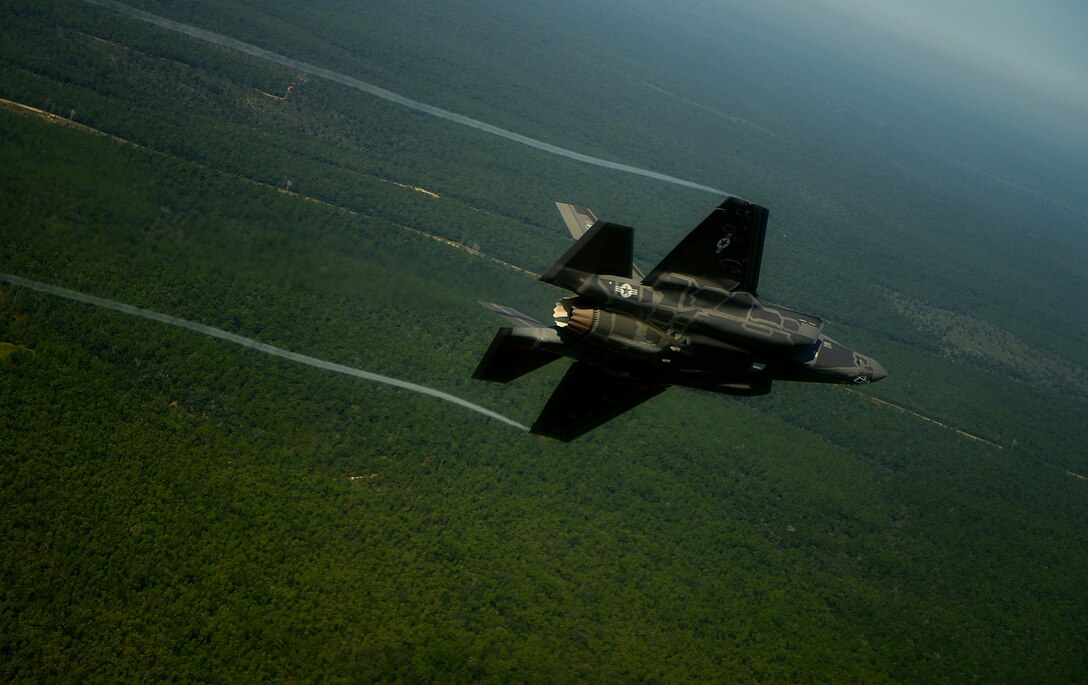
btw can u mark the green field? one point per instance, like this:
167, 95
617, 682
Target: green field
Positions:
176, 507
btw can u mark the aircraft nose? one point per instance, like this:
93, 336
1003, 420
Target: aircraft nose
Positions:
878, 372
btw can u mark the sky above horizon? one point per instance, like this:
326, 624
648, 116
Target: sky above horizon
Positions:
1038, 45
1029, 59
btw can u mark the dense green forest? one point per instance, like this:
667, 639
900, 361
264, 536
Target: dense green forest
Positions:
179, 508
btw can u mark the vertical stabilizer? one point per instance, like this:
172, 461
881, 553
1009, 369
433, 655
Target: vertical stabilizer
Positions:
604, 249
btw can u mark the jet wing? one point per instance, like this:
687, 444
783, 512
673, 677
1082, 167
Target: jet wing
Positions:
725, 250
587, 398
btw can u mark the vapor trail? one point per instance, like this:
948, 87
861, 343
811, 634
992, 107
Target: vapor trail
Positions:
261, 53
250, 343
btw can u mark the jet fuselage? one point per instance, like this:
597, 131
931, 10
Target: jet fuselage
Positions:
685, 332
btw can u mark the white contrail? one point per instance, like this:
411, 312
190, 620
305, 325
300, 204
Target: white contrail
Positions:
250, 343
224, 41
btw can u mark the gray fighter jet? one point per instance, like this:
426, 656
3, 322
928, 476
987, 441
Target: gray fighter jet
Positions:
694, 321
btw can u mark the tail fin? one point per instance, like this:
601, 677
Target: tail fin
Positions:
515, 352
604, 249
578, 219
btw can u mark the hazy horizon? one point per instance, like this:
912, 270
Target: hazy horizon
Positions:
1008, 82
1030, 59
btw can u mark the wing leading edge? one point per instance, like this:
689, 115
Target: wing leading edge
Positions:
726, 248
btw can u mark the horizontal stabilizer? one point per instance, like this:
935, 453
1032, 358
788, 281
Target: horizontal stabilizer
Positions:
588, 397
511, 356
604, 249
512, 315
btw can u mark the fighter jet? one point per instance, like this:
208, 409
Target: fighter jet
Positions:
695, 321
